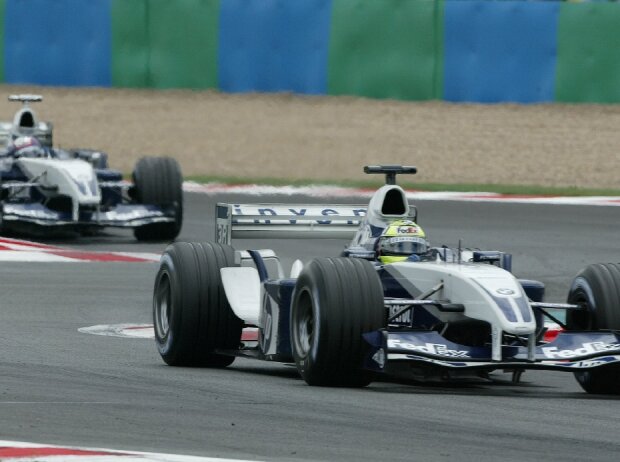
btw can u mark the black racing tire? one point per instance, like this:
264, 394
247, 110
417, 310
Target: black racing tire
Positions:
597, 287
335, 301
158, 181
191, 314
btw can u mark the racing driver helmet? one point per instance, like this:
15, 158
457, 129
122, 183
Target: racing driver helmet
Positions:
401, 240
27, 146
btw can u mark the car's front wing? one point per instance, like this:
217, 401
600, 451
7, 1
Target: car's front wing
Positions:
569, 351
123, 215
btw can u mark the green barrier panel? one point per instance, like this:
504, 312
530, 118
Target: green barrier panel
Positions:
588, 68
130, 44
3, 16
165, 44
386, 49
183, 37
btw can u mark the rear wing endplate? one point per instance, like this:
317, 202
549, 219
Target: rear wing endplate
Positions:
278, 221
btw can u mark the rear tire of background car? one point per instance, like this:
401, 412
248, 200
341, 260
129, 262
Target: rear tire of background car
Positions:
335, 301
191, 314
597, 287
158, 181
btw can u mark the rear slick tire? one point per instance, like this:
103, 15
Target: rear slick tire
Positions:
597, 287
191, 314
335, 301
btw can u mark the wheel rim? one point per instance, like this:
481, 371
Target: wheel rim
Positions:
581, 320
304, 325
163, 305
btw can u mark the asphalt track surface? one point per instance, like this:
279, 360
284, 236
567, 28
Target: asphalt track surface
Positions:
60, 386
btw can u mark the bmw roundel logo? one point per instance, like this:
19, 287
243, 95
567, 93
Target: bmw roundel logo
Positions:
505, 291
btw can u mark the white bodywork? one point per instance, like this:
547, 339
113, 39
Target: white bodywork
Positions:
387, 204
488, 293
74, 178
242, 287
249, 221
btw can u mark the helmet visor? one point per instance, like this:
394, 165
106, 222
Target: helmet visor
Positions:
402, 245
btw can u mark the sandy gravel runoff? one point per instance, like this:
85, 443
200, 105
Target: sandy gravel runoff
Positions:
331, 138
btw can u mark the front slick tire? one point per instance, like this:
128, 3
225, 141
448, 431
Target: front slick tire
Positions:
336, 300
597, 287
191, 314
158, 181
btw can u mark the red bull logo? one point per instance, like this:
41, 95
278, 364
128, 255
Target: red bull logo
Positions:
408, 230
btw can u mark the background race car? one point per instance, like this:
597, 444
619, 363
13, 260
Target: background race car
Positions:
48, 189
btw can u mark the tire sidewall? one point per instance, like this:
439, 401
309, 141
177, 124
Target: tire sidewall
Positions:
306, 362
581, 290
166, 344
598, 288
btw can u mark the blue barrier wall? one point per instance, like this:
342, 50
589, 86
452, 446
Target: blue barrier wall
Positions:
458, 50
500, 51
2, 10
274, 45
59, 42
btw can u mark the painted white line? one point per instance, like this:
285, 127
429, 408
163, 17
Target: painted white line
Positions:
249, 334
62, 403
337, 191
30, 256
23, 244
142, 255
120, 330
258, 190
32, 452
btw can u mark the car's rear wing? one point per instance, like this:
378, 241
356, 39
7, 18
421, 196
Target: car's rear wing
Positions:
286, 221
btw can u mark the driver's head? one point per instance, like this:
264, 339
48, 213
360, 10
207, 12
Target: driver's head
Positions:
400, 240
27, 146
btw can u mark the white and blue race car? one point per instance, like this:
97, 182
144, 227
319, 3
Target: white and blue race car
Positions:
46, 189
345, 319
